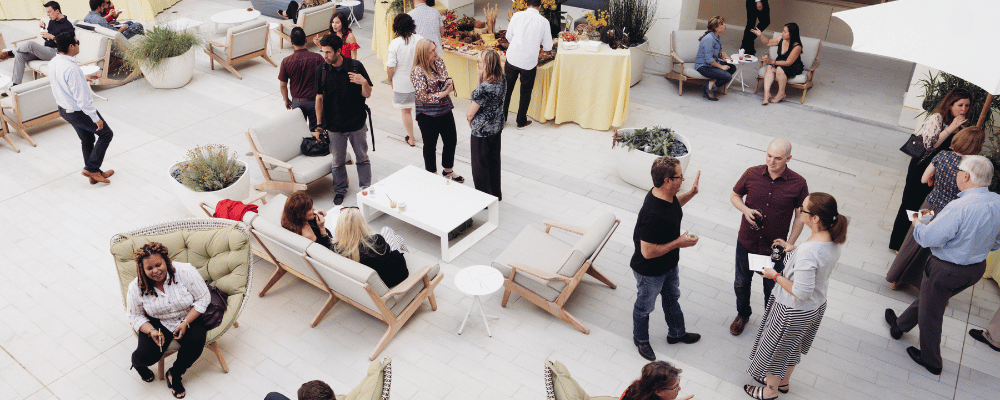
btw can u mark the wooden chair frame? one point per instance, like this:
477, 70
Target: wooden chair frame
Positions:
804, 86
556, 307
679, 76
263, 160
20, 125
105, 77
230, 61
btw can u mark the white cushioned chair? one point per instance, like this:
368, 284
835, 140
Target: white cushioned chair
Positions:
315, 21
30, 104
241, 43
276, 147
810, 61
683, 51
545, 270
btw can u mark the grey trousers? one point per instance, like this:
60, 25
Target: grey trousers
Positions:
942, 280
993, 330
338, 147
30, 51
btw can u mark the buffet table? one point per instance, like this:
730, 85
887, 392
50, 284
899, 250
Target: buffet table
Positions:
462, 69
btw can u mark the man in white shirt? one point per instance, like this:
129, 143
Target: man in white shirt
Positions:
429, 22
528, 30
76, 106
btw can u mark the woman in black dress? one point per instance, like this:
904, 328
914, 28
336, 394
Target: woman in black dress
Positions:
788, 63
354, 239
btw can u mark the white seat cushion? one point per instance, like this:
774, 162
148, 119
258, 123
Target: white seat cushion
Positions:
40, 66
539, 250
690, 72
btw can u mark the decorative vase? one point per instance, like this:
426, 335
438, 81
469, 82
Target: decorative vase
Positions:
172, 73
192, 200
638, 60
634, 165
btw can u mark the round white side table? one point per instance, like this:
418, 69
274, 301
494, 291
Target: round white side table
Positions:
234, 17
738, 74
478, 280
92, 69
351, 4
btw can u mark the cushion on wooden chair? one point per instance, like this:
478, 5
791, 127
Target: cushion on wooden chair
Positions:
540, 250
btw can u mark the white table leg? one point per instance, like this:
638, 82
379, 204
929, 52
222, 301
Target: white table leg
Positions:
97, 95
483, 312
466, 319
444, 248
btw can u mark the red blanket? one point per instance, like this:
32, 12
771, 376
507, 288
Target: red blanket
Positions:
233, 209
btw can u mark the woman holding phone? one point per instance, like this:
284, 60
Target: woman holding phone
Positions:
302, 219
164, 302
432, 88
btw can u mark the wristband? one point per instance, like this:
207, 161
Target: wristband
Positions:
776, 275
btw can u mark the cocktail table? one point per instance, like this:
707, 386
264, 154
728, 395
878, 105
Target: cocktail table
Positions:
433, 204
478, 280
234, 17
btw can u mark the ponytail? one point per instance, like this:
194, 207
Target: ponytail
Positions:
838, 229
713, 23
824, 206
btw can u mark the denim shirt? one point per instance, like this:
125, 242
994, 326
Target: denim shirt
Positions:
708, 50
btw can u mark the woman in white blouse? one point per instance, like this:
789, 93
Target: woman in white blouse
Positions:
400, 60
164, 302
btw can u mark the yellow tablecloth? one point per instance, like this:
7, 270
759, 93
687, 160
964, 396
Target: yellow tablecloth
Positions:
591, 89
135, 10
382, 30
993, 266
462, 70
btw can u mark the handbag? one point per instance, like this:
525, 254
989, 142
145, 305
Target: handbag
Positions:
914, 147
313, 147
212, 317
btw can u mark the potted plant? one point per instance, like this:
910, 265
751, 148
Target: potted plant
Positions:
636, 149
165, 56
634, 17
209, 174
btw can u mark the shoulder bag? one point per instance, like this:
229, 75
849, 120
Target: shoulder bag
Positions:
212, 317
914, 147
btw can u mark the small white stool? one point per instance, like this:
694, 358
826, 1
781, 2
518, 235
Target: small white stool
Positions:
351, 4
478, 280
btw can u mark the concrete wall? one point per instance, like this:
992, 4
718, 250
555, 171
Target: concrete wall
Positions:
815, 19
671, 15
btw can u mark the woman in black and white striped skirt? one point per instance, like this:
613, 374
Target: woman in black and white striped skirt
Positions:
793, 315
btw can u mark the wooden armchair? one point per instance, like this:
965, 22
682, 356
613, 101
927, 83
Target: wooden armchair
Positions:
810, 61
545, 270
242, 43
30, 104
276, 147
315, 21
683, 51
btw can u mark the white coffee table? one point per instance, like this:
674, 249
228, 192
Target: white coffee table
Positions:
478, 280
234, 17
433, 205
738, 74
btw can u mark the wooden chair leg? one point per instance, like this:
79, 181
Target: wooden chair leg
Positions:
211, 63
506, 295
386, 337
430, 297
214, 346
565, 316
599, 276
236, 324
159, 367
755, 84
233, 70
804, 90
326, 308
680, 87
278, 273
269, 60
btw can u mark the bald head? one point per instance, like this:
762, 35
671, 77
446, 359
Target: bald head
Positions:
778, 154
780, 147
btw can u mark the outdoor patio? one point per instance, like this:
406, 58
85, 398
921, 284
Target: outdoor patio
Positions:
64, 334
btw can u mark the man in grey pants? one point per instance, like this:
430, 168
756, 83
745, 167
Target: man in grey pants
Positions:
32, 50
960, 238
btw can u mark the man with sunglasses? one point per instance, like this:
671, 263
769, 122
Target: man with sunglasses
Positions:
770, 197
76, 106
960, 238
658, 240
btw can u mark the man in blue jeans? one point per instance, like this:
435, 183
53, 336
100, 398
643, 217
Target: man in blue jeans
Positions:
658, 240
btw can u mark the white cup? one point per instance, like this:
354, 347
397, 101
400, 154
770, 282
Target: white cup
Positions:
742, 52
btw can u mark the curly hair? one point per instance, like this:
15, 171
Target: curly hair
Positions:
657, 375
146, 284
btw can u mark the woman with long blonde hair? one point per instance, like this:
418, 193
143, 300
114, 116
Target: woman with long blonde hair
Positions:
432, 88
352, 238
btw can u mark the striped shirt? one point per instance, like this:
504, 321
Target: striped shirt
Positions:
170, 305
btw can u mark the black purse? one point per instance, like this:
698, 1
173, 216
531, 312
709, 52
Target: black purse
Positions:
313, 147
212, 317
914, 147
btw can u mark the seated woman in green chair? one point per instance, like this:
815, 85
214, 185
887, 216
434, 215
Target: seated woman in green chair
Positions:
659, 380
163, 304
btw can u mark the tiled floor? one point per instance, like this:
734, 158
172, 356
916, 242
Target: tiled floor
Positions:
64, 335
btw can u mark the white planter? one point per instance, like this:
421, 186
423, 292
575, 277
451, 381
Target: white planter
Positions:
173, 73
638, 61
192, 200
634, 165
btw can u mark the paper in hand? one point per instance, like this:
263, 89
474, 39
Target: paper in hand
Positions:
759, 262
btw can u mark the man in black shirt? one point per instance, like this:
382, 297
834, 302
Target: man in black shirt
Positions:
32, 50
342, 85
658, 240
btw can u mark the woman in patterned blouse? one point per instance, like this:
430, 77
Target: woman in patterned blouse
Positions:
431, 87
908, 267
486, 117
164, 302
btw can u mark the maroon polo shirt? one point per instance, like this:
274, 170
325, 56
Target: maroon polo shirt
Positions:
776, 199
299, 70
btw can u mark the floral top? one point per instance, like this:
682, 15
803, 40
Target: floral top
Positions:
931, 129
945, 189
490, 118
425, 90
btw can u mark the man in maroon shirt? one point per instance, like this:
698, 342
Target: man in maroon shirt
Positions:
299, 70
769, 196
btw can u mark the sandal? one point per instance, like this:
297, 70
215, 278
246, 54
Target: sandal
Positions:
760, 380
412, 141
144, 373
455, 177
757, 392
174, 383
779, 100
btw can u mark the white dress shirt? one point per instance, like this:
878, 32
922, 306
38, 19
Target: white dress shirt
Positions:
171, 304
70, 87
528, 30
429, 22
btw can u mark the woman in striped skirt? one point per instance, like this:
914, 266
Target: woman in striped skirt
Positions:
793, 314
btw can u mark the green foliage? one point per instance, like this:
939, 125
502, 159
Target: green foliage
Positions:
157, 45
936, 86
396, 6
210, 168
656, 140
634, 17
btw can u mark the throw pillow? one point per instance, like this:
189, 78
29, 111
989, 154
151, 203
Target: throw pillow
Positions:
376, 384
563, 385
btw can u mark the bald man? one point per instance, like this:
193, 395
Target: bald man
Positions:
770, 197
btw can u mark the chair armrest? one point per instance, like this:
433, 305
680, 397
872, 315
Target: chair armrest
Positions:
676, 57
546, 275
214, 43
259, 196
814, 66
408, 283
290, 23
14, 43
579, 230
273, 161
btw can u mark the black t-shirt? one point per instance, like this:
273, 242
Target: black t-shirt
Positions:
389, 264
659, 222
343, 104
55, 28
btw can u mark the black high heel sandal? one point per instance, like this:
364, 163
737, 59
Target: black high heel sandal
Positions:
174, 383
456, 178
144, 373
761, 381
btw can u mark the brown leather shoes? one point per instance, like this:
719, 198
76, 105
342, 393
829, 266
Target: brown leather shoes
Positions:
108, 173
6, 55
96, 177
737, 327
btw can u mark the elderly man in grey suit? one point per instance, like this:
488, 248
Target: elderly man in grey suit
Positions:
960, 238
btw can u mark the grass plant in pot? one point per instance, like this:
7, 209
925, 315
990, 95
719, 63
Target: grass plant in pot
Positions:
209, 174
636, 149
634, 17
165, 56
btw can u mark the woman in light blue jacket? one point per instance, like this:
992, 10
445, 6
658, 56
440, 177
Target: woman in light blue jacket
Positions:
709, 61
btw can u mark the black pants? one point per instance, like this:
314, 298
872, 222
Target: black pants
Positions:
430, 129
527, 84
755, 19
914, 194
86, 129
486, 164
192, 344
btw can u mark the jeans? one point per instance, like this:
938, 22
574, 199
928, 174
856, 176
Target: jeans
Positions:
668, 287
430, 129
486, 164
134, 28
527, 83
308, 109
759, 19
192, 344
86, 129
29, 51
744, 278
721, 77
338, 147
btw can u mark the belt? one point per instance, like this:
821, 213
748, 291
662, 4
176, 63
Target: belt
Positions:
68, 111
302, 99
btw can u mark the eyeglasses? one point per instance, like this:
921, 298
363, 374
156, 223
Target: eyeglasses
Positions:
807, 212
676, 387
681, 177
